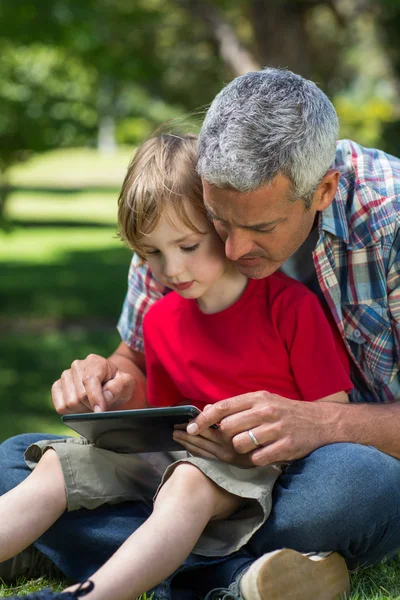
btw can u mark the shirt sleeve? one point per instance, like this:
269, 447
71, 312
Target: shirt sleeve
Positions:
393, 286
318, 358
161, 389
143, 291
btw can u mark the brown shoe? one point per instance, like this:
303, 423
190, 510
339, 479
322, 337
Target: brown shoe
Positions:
289, 575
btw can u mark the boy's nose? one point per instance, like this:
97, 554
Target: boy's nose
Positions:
173, 268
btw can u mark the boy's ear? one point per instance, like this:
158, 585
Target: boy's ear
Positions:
326, 190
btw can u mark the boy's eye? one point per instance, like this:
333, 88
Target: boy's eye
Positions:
152, 252
190, 248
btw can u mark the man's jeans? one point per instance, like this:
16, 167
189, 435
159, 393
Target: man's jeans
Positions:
343, 497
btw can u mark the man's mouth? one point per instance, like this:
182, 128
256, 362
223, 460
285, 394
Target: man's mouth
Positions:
248, 261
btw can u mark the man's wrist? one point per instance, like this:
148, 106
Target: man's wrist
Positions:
334, 422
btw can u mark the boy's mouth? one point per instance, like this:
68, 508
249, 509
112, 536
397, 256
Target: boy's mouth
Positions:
182, 286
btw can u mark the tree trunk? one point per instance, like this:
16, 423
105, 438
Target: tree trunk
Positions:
106, 142
281, 35
230, 49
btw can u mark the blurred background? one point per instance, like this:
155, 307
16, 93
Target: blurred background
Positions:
82, 82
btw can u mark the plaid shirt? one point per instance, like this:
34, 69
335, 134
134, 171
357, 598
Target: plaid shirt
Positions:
357, 260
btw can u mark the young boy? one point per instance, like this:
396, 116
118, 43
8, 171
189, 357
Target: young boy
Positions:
217, 335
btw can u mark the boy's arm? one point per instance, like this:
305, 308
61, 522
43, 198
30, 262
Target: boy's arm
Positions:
338, 397
318, 359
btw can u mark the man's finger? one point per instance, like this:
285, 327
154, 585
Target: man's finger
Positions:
218, 411
78, 385
70, 398
245, 442
94, 392
271, 453
119, 390
57, 397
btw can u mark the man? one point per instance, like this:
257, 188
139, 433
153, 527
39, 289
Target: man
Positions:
282, 195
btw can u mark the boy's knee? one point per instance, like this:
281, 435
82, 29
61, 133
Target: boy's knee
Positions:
186, 475
49, 462
189, 484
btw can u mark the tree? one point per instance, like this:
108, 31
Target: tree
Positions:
45, 102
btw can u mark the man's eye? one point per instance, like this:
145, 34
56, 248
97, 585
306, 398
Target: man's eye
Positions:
265, 230
190, 248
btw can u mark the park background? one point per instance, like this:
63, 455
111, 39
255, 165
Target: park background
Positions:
82, 82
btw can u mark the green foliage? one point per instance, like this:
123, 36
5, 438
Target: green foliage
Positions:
363, 121
64, 277
45, 101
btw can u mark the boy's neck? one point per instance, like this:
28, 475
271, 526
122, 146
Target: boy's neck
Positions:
224, 292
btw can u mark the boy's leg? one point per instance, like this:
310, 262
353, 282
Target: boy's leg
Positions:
29, 509
183, 507
79, 542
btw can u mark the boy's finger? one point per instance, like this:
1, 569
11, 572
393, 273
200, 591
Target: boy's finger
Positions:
205, 447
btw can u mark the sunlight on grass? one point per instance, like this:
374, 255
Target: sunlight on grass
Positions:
73, 167
47, 246
83, 206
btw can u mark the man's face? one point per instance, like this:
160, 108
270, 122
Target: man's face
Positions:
260, 229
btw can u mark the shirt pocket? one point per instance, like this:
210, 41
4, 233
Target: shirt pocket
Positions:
368, 331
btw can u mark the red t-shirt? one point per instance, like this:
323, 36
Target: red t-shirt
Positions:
276, 337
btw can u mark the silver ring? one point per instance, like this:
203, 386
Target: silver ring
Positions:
253, 438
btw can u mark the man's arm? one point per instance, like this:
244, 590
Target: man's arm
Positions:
97, 383
289, 429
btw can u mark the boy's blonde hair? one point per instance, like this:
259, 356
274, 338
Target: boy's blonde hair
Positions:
161, 174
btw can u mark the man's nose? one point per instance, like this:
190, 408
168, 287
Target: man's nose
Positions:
237, 244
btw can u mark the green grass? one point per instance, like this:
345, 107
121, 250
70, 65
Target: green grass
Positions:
73, 168
23, 587
63, 279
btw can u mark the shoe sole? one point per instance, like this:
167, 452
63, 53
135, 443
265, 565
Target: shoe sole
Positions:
289, 575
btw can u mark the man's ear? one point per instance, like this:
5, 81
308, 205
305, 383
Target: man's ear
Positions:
326, 190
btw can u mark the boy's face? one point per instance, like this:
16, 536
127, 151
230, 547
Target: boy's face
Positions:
183, 260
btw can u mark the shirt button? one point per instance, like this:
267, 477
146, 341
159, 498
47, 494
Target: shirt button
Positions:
357, 333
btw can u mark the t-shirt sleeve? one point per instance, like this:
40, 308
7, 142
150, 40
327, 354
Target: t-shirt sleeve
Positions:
161, 389
143, 291
318, 358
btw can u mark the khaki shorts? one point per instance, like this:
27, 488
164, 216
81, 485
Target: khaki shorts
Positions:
94, 476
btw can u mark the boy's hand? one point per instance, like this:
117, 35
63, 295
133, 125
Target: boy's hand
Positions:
93, 384
211, 444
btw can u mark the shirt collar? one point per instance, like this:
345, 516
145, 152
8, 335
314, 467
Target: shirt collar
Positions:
333, 219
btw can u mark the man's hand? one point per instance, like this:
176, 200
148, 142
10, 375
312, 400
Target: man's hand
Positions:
94, 384
212, 444
286, 429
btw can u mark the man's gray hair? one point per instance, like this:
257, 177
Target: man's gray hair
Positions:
264, 123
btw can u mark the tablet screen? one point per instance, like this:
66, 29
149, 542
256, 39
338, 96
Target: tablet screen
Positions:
141, 430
